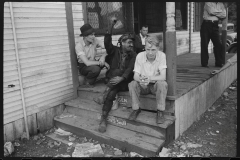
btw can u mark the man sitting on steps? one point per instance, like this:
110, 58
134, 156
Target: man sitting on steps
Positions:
86, 51
119, 75
149, 77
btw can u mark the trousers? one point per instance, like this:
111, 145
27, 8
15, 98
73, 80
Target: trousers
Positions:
210, 31
90, 72
114, 89
159, 89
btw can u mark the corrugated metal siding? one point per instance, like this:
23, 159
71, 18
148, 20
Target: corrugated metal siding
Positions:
11, 96
42, 37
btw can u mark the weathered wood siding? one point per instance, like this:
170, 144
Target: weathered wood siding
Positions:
42, 39
189, 107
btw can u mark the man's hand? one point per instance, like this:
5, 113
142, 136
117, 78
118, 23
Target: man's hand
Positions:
116, 80
107, 65
102, 61
144, 80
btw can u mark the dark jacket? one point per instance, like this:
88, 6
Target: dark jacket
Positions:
138, 44
114, 58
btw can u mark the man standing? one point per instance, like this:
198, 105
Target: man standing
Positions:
140, 39
149, 77
86, 51
213, 12
119, 75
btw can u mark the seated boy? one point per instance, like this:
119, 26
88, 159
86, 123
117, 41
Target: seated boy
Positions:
149, 77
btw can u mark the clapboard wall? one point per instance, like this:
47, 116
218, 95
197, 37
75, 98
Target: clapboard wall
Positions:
43, 48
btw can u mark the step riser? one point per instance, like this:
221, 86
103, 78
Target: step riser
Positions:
120, 122
147, 103
123, 145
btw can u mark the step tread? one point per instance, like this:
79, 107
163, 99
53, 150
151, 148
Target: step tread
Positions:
122, 135
150, 130
99, 87
121, 112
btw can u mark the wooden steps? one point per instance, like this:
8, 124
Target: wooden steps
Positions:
118, 137
148, 101
88, 113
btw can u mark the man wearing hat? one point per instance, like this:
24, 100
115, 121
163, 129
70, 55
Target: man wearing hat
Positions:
86, 51
120, 73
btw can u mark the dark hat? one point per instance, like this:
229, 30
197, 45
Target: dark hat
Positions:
125, 37
86, 30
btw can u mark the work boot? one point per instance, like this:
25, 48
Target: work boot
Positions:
103, 123
134, 114
160, 117
101, 99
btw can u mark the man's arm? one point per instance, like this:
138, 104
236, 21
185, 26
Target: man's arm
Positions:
162, 76
130, 67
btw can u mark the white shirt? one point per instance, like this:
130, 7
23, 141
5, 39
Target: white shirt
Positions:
143, 39
89, 51
146, 68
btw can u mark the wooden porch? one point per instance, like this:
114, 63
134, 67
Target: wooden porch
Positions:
196, 88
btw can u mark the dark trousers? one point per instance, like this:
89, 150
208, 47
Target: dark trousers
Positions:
210, 31
90, 72
114, 89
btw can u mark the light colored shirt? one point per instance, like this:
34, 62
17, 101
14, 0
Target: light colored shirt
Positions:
233, 59
214, 11
146, 68
143, 39
89, 51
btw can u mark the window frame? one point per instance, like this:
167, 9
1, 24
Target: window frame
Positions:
127, 19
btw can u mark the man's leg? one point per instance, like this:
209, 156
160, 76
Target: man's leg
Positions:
205, 38
135, 89
160, 90
107, 106
218, 53
90, 72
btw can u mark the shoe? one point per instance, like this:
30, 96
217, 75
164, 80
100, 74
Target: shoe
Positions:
205, 66
101, 99
160, 117
103, 123
134, 114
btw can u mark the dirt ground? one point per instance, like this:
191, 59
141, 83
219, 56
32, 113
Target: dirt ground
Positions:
214, 135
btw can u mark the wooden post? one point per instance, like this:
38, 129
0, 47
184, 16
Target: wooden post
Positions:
224, 36
71, 41
171, 48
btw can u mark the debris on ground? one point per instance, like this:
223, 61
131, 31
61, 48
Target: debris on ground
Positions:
56, 143
8, 149
134, 154
24, 136
62, 155
40, 141
191, 145
212, 133
165, 152
70, 143
50, 144
87, 150
16, 144
118, 152
71, 139
225, 94
210, 109
232, 88
61, 132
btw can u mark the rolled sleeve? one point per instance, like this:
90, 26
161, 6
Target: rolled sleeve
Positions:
163, 63
79, 50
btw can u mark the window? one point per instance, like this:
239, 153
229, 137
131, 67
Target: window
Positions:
152, 14
100, 14
198, 15
181, 15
